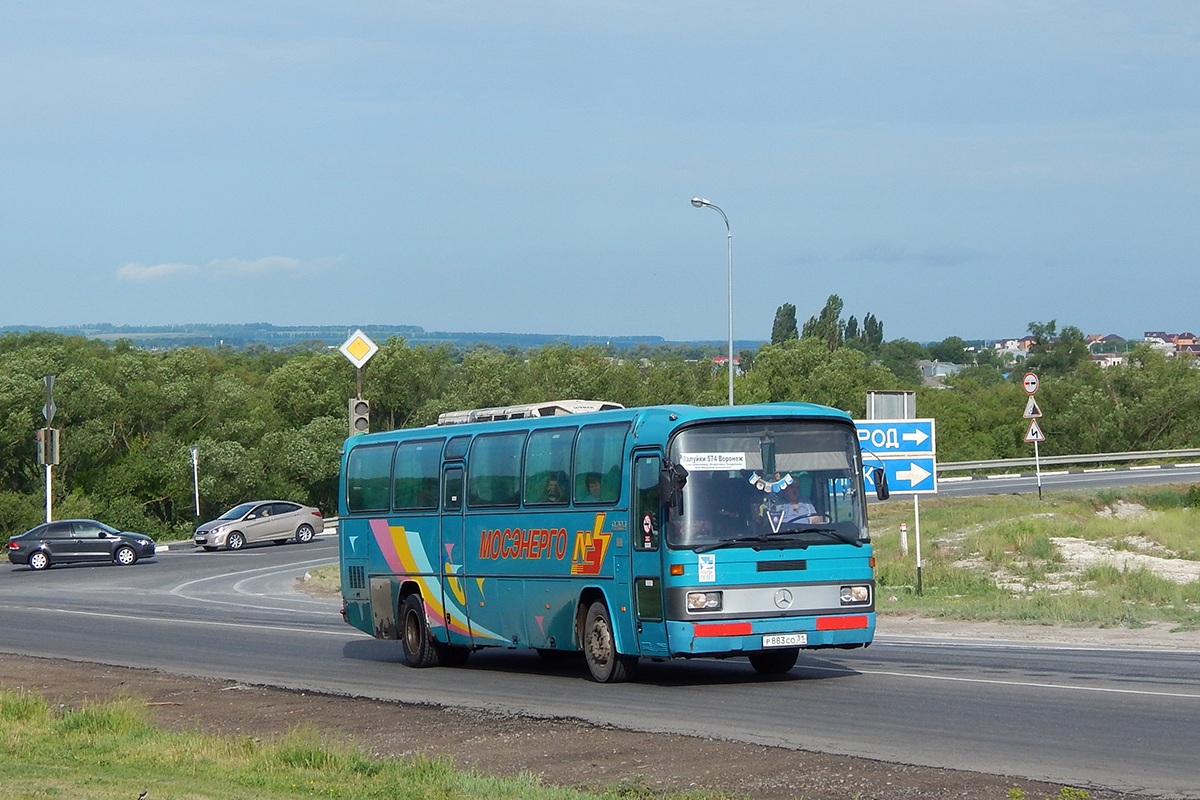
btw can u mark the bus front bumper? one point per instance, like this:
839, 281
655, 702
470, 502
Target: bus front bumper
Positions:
730, 637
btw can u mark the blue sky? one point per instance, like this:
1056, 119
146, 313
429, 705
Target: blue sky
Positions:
954, 168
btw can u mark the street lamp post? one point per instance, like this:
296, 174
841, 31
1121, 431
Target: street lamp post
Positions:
700, 202
196, 477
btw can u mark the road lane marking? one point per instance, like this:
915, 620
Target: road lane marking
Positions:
174, 621
999, 682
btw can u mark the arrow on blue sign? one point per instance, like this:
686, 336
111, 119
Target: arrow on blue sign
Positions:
910, 475
891, 437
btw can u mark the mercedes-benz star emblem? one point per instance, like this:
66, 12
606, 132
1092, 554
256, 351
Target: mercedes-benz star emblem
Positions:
783, 598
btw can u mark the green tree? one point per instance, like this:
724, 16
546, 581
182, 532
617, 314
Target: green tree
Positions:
805, 369
828, 326
900, 357
1053, 353
951, 350
404, 383
872, 332
784, 327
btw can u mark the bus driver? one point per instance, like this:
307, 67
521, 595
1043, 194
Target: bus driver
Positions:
796, 509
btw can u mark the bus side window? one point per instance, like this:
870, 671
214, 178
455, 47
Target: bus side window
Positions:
647, 507
452, 489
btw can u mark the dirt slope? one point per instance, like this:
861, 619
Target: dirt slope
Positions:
563, 752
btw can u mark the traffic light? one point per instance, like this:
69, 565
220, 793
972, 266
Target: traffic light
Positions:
360, 416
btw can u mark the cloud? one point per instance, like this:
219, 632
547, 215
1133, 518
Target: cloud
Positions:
224, 267
141, 273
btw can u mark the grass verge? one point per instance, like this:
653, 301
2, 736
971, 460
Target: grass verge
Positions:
1001, 558
112, 751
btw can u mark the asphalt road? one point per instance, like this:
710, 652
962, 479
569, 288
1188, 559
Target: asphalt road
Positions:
1128, 720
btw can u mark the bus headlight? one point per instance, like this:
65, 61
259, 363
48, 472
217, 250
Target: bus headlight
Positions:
703, 601
856, 595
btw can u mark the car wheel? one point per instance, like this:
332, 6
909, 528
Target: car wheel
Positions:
305, 533
236, 541
38, 560
604, 663
125, 556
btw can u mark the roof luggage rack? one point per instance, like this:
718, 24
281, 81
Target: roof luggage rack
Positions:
550, 408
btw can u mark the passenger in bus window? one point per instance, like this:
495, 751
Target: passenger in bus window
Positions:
592, 484
553, 492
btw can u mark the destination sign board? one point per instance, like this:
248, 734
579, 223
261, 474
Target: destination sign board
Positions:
889, 437
908, 475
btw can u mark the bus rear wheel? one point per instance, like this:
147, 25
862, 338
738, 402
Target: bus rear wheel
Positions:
774, 662
420, 650
604, 663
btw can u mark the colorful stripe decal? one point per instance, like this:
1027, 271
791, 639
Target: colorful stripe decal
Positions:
404, 555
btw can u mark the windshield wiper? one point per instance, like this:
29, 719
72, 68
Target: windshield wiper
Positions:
766, 537
834, 532
717, 545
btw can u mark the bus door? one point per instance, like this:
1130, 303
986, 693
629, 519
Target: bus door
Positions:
453, 556
646, 558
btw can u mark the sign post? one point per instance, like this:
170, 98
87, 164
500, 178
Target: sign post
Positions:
358, 350
48, 445
906, 450
1034, 432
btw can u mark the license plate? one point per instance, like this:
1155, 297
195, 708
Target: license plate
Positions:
785, 640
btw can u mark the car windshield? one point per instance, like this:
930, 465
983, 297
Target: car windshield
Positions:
790, 483
237, 512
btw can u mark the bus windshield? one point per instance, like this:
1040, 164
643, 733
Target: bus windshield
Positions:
795, 482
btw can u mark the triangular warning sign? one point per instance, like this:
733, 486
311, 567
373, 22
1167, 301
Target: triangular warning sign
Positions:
1034, 434
1031, 409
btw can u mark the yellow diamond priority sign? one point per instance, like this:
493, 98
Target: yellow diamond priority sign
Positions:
359, 348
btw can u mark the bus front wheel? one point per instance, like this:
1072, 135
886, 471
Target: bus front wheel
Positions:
604, 663
420, 649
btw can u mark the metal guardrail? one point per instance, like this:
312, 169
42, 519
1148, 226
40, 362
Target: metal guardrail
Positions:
1093, 458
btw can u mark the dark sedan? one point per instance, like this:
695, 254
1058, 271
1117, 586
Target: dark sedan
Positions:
77, 540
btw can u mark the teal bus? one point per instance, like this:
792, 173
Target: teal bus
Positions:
622, 534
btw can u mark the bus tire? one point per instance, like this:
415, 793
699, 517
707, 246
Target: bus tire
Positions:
604, 663
420, 650
774, 662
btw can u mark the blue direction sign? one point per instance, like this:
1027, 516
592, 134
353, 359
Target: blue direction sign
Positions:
892, 437
907, 475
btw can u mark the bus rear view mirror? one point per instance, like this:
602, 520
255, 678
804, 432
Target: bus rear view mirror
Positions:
671, 480
879, 476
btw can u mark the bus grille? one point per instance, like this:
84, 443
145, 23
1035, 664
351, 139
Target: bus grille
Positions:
782, 566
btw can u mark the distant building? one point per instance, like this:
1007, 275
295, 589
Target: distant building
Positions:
933, 373
721, 362
1108, 359
1107, 344
1170, 343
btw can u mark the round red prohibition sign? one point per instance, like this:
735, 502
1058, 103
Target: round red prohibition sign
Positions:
1030, 383
647, 524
